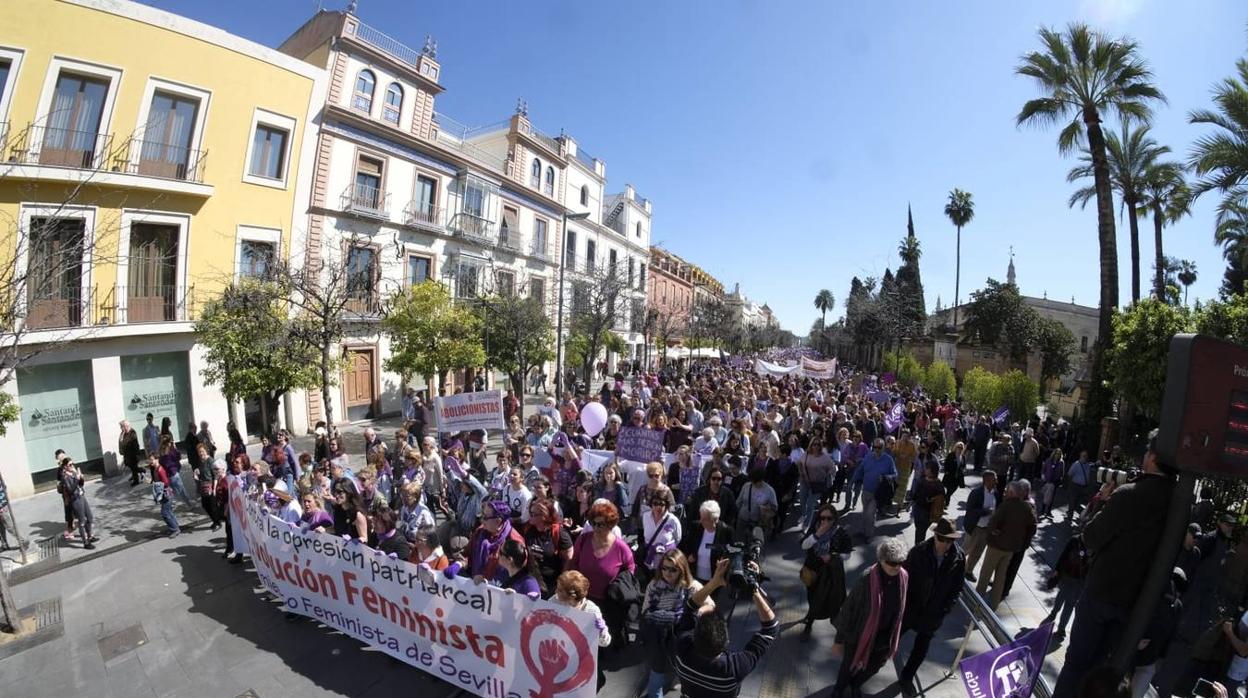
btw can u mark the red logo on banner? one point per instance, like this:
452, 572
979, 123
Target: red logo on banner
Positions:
553, 656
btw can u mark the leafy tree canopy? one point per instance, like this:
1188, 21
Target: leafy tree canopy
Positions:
429, 334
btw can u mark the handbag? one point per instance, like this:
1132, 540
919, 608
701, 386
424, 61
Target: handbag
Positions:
624, 590
640, 554
808, 576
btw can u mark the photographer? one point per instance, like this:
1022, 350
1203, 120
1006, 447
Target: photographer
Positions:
1122, 538
703, 662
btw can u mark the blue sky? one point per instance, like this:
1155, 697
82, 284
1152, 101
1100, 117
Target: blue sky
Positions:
781, 141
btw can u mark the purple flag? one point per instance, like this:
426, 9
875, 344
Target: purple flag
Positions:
1009, 671
888, 378
892, 420
1002, 414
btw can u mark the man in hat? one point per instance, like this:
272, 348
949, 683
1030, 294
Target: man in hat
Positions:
935, 567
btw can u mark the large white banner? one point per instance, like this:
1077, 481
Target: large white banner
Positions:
766, 368
819, 370
479, 638
468, 411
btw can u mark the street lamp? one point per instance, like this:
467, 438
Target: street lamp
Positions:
563, 264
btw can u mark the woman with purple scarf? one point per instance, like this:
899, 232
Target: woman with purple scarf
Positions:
868, 625
487, 540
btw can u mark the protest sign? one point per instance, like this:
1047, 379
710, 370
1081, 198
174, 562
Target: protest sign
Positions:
1002, 414
478, 638
594, 460
766, 368
1010, 670
819, 370
639, 443
468, 411
895, 416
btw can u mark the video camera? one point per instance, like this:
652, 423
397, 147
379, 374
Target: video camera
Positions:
741, 576
1116, 476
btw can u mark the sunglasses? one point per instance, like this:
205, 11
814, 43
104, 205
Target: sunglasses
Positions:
717, 478
826, 518
526, 455
890, 563
658, 503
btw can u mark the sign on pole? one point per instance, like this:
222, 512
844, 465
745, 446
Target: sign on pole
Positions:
469, 411
1008, 671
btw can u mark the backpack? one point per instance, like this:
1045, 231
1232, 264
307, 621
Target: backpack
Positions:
886, 489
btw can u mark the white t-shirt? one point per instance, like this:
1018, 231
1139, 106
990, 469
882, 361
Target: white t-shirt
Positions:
703, 570
519, 501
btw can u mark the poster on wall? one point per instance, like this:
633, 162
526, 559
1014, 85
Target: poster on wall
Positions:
57, 404
159, 384
477, 637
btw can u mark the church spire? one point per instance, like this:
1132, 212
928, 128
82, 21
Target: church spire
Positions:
1009, 272
909, 221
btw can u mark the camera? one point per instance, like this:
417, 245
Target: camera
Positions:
741, 576
1116, 476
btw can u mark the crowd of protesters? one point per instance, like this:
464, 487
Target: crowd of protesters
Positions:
751, 456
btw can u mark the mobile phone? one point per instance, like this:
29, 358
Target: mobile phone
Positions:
1205, 689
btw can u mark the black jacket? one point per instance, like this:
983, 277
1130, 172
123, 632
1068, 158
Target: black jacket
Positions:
932, 590
1122, 539
693, 538
975, 509
727, 504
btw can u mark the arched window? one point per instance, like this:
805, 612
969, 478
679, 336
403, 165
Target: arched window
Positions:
364, 84
550, 181
394, 103
584, 195
535, 174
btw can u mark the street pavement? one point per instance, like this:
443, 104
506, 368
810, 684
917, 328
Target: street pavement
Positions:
210, 633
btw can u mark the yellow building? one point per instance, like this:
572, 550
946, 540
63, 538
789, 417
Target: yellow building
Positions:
146, 161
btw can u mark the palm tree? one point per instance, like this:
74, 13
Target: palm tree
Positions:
1083, 74
1131, 155
960, 209
823, 303
1221, 158
1187, 276
1164, 195
1232, 235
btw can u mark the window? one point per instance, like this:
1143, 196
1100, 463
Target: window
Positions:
363, 97
550, 181
584, 195
590, 253
153, 267
569, 250
167, 137
418, 269
539, 237
630, 272
535, 174
641, 278
611, 261
254, 258
268, 153
426, 197
466, 281
72, 136
6, 67
361, 279
474, 198
1083, 344
638, 228
394, 103
509, 231
54, 276
366, 193
537, 290
506, 282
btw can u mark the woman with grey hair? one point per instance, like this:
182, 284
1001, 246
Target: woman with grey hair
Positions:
868, 625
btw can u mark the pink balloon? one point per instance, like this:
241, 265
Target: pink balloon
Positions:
593, 418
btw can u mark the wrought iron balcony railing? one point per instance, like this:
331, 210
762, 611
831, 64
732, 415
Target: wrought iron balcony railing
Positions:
366, 201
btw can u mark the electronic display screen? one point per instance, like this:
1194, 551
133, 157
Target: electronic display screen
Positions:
1235, 445
1204, 414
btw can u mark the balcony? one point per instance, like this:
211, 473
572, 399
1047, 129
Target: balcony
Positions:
541, 250
367, 201
60, 308
365, 304
156, 159
59, 147
509, 239
473, 227
134, 305
419, 214
387, 44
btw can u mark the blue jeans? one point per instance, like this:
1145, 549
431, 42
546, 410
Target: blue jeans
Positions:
654, 685
1092, 638
166, 513
175, 482
810, 502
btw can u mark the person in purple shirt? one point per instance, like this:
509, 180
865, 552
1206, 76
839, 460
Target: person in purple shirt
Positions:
517, 571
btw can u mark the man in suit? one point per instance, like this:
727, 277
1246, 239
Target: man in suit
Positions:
980, 436
699, 542
979, 507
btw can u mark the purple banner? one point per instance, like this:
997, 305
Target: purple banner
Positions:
880, 397
888, 378
1002, 414
893, 419
1009, 671
639, 444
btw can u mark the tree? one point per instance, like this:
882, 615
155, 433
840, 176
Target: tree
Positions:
1169, 274
596, 300
666, 327
912, 308
939, 380
1166, 198
823, 303
960, 210
1227, 319
1220, 158
1187, 275
520, 336
1084, 75
1232, 234
997, 316
1137, 356
1018, 393
430, 334
712, 318
1056, 345
1131, 155
981, 389
252, 346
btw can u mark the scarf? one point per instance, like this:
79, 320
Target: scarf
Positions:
866, 639
485, 548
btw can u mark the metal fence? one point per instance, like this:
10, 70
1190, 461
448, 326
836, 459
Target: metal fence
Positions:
989, 625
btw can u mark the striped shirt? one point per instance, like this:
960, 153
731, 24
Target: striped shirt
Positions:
720, 677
